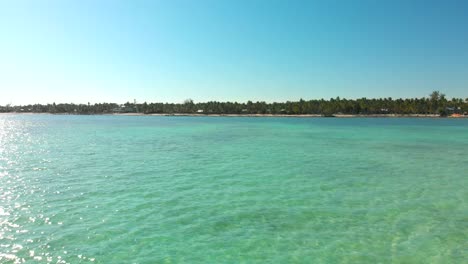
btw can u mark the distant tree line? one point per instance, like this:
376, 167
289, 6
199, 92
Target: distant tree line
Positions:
435, 103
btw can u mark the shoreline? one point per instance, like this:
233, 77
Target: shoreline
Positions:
257, 115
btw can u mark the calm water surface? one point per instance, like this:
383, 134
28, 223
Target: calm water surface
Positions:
146, 189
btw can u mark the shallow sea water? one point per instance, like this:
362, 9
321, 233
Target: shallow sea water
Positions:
148, 189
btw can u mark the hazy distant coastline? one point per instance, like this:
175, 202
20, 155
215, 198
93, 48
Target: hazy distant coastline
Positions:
433, 106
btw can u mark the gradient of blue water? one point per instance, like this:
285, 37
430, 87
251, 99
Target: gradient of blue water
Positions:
148, 189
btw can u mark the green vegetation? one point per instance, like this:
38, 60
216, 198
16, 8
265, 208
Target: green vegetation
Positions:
436, 103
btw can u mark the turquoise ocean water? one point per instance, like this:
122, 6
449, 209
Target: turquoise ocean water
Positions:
147, 189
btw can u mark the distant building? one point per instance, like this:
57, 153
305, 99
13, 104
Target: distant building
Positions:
200, 111
124, 109
450, 109
453, 110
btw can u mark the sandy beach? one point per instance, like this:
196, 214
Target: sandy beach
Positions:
259, 115
302, 116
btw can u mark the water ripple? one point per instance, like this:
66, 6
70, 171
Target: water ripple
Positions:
82, 189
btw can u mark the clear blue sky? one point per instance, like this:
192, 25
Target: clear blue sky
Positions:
166, 51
